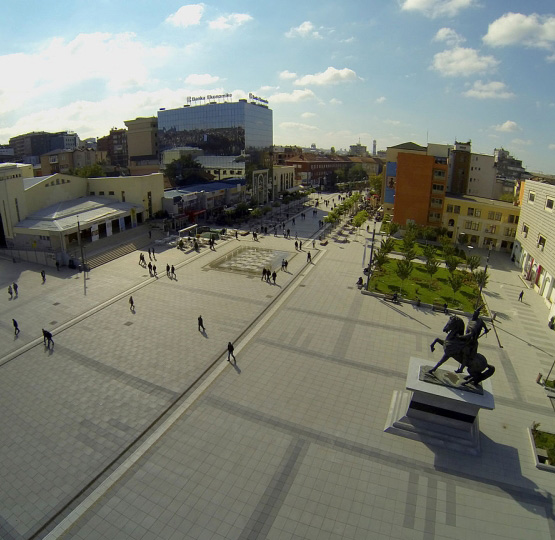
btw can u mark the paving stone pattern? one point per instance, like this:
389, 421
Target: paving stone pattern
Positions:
287, 444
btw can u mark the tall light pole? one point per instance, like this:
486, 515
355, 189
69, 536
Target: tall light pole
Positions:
371, 256
484, 278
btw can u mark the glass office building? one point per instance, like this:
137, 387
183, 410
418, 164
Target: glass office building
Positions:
220, 129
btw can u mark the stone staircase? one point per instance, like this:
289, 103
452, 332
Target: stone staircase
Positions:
98, 259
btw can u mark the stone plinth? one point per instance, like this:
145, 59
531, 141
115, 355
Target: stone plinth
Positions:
439, 414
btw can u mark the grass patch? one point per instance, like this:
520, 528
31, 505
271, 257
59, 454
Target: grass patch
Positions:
550, 383
436, 290
544, 440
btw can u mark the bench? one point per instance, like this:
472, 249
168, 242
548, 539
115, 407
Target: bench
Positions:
436, 306
391, 298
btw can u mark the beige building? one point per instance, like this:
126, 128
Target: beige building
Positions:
283, 179
45, 213
67, 161
484, 222
142, 145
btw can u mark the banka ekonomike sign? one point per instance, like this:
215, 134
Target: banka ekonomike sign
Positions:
192, 100
252, 97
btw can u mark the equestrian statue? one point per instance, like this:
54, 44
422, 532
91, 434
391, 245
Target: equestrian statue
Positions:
463, 347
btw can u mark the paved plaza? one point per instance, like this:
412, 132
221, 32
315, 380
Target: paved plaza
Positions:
134, 425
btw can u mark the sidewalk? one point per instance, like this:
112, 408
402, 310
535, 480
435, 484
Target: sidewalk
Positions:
287, 444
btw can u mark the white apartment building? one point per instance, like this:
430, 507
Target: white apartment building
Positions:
534, 250
481, 176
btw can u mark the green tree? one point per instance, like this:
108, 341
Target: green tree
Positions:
180, 170
90, 171
256, 213
456, 282
356, 173
429, 252
387, 245
376, 183
360, 219
481, 277
432, 266
409, 242
392, 228
473, 262
451, 262
404, 270
379, 259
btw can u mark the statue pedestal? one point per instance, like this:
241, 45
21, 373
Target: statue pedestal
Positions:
440, 413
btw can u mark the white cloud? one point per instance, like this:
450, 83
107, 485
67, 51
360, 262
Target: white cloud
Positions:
304, 30
200, 79
186, 15
437, 8
308, 115
269, 88
297, 126
551, 147
491, 90
287, 75
94, 119
330, 76
522, 142
461, 61
292, 97
381, 99
507, 127
119, 61
449, 36
515, 28
230, 21
335, 101
347, 40
392, 122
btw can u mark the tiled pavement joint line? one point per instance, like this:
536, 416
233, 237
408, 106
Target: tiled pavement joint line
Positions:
267, 509
523, 495
431, 504
122, 469
410, 501
511, 375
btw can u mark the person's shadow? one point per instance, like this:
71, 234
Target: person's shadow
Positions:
204, 334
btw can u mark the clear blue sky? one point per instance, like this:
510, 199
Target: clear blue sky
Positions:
333, 72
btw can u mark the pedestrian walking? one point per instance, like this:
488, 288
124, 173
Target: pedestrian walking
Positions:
300, 245
15, 327
274, 276
150, 268
520, 296
173, 270
313, 243
168, 270
15, 287
149, 254
286, 264
268, 275
47, 337
201, 324
288, 233
282, 264
154, 270
150, 234
153, 256
230, 350
296, 245
43, 274
10, 291
131, 304
236, 235
263, 274
57, 266
309, 257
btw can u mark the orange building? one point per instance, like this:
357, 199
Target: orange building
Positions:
420, 188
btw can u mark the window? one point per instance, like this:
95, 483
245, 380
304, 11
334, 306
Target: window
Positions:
525, 230
477, 213
449, 208
470, 212
491, 229
101, 192
468, 224
457, 209
110, 192
475, 226
510, 231
549, 204
490, 215
497, 216
511, 218
541, 242
439, 174
92, 193
531, 196
436, 201
437, 187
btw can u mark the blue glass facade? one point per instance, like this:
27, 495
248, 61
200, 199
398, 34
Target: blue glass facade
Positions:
218, 128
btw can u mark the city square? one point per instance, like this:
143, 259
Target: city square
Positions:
135, 425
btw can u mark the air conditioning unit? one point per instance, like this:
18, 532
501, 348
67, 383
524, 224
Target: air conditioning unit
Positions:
525, 234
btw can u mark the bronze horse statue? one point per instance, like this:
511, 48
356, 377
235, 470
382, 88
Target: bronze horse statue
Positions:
463, 347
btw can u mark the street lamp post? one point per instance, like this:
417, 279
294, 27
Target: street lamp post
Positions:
484, 278
371, 256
